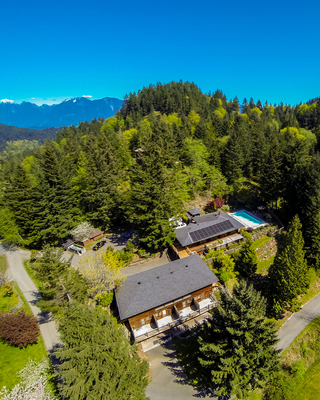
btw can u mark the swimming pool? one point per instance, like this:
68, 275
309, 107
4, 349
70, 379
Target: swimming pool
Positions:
249, 217
248, 220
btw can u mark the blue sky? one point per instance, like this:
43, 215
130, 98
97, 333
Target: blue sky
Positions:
62, 49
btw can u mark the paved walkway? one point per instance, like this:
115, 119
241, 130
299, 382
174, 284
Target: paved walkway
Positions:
298, 321
19, 275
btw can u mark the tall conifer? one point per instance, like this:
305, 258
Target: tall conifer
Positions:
288, 276
237, 345
97, 361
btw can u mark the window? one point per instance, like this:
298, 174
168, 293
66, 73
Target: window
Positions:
202, 296
164, 312
143, 321
184, 304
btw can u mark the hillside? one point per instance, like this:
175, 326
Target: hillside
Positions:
69, 112
12, 133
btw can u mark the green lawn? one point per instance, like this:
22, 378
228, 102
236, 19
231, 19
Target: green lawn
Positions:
32, 274
3, 263
260, 242
13, 359
264, 265
7, 303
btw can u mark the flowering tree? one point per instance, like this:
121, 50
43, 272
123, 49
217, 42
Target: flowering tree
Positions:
34, 377
102, 272
82, 231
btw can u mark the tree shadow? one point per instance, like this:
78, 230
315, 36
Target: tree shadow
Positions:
9, 247
182, 354
44, 317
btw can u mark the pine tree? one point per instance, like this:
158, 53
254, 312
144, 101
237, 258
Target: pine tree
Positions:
237, 344
57, 211
155, 189
60, 284
247, 260
288, 276
97, 361
19, 197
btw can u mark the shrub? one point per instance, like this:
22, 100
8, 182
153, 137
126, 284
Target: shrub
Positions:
304, 349
142, 253
8, 289
219, 201
129, 246
298, 369
106, 299
126, 256
19, 329
225, 208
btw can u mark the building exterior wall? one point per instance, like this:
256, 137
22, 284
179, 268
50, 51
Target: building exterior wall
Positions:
165, 310
88, 241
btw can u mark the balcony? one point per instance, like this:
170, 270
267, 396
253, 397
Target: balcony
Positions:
166, 323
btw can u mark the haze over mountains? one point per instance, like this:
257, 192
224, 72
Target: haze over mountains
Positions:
69, 112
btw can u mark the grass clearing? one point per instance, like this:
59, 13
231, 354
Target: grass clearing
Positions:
32, 274
260, 242
13, 359
7, 303
3, 263
263, 266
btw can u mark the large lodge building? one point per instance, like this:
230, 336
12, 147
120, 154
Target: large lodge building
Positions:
154, 300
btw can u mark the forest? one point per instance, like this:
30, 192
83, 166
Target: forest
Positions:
169, 145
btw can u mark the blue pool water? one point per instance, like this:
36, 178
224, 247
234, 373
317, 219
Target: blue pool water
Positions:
249, 217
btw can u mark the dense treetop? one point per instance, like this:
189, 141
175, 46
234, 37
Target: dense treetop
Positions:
168, 144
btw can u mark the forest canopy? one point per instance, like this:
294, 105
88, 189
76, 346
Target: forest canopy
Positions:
167, 145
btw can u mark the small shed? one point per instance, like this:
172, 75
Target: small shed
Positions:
95, 234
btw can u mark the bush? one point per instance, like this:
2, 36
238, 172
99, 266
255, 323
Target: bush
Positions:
126, 256
8, 289
129, 246
304, 349
19, 329
106, 299
143, 254
225, 208
298, 369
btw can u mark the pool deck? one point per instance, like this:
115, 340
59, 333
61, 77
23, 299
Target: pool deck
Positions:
246, 222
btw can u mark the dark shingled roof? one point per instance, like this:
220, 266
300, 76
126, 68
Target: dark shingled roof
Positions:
194, 211
187, 235
160, 285
95, 232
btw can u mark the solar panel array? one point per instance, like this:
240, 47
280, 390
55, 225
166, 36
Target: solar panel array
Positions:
210, 231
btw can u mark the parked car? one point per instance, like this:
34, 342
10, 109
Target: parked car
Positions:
128, 235
98, 245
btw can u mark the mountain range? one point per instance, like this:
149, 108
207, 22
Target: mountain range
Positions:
69, 112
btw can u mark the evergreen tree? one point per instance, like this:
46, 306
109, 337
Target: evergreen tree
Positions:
288, 276
237, 344
97, 361
19, 197
155, 189
247, 260
60, 283
56, 210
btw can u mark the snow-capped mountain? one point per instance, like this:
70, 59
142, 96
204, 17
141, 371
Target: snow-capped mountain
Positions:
69, 112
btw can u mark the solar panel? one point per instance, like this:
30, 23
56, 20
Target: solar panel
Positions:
210, 231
